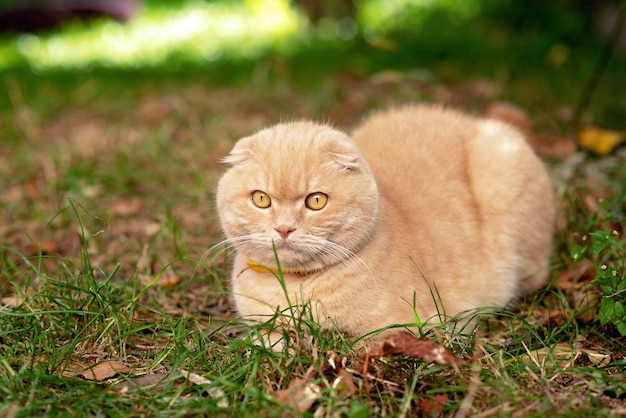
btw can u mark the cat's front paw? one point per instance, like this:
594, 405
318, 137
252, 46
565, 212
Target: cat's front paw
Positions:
272, 340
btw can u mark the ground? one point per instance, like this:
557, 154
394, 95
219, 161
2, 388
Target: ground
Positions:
114, 301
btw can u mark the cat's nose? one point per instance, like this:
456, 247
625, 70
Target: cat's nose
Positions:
284, 230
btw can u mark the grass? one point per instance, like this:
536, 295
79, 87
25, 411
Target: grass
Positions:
106, 194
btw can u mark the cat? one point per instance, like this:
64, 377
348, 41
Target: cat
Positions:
421, 211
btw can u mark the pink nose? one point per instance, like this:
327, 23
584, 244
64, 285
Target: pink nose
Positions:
284, 230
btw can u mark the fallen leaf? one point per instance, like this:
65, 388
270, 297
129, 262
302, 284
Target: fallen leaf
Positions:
563, 354
587, 302
168, 280
334, 360
46, 248
600, 141
104, 370
405, 343
11, 410
301, 395
343, 381
141, 382
553, 147
336, 366
570, 280
32, 188
597, 358
214, 392
12, 301
433, 407
151, 229
551, 317
592, 206
580, 294
127, 207
154, 110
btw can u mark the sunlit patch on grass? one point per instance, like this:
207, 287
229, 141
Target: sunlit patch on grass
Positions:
194, 32
382, 15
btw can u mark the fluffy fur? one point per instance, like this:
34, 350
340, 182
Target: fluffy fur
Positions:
419, 198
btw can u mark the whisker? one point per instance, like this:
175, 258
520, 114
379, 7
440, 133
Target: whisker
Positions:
313, 248
223, 246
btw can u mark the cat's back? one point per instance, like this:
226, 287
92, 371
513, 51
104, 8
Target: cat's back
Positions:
413, 129
446, 153
415, 140
468, 191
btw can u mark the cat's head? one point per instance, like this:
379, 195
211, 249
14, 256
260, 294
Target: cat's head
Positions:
304, 187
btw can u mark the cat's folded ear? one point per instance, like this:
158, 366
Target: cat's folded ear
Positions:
347, 156
346, 162
240, 153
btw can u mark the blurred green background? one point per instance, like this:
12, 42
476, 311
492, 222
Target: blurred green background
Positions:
540, 53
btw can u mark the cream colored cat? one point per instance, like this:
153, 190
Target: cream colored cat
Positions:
417, 201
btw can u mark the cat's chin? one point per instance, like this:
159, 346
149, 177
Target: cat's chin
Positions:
288, 255
291, 259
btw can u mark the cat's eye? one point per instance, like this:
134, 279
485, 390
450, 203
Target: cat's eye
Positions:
261, 199
316, 201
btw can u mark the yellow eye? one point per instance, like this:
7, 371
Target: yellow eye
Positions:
261, 199
316, 201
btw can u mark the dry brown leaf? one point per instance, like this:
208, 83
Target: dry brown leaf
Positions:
570, 280
12, 301
48, 247
344, 380
154, 111
591, 204
551, 316
597, 358
405, 343
434, 406
127, 207
32, 188
300, 395
553, 147
333, 359
141, 382
104, 370
11, 410
151, 229
563, 354
336, 366
582, 296
168, 280
586, 301
214, 392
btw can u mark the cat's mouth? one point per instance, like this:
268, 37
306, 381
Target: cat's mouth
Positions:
285, 246
287, 251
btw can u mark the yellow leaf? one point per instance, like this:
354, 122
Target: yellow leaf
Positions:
600, 141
